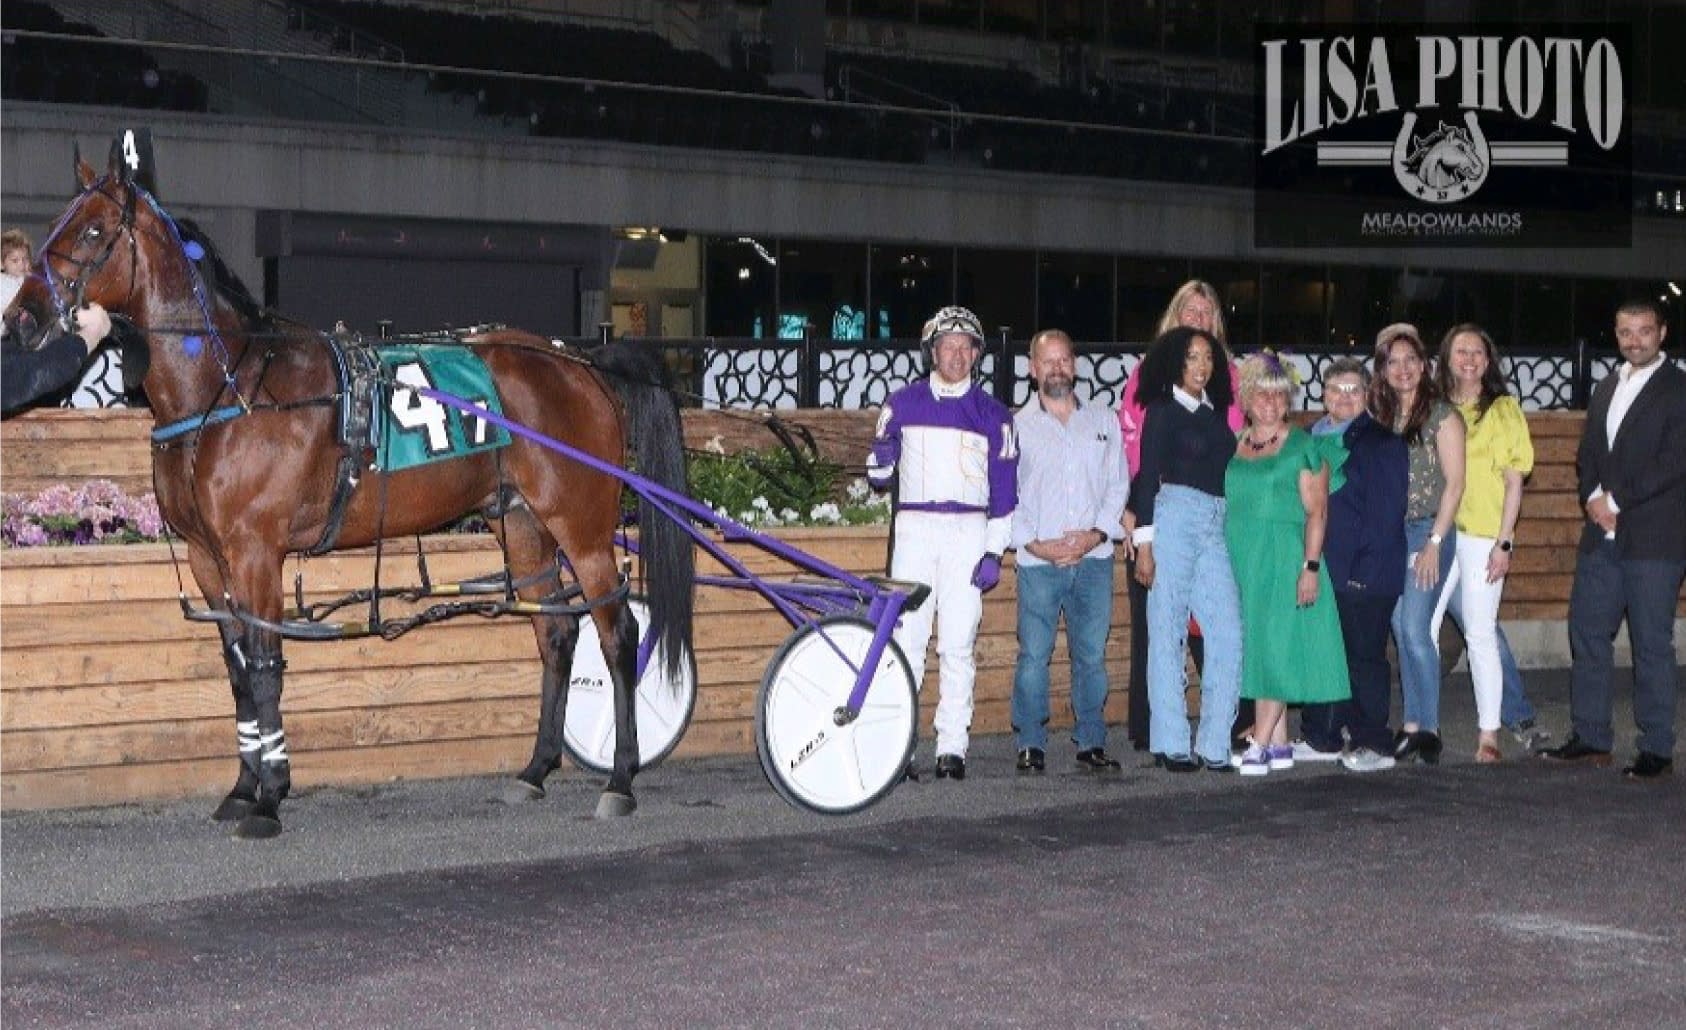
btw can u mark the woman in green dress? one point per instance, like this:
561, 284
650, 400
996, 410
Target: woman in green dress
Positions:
1278, 488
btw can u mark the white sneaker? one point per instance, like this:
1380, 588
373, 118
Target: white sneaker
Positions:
1362, 760
1304, 752
1255, 761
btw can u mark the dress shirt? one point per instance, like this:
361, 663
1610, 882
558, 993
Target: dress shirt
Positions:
1071, 477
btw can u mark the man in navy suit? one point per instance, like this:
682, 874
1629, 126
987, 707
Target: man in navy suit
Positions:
1632, 466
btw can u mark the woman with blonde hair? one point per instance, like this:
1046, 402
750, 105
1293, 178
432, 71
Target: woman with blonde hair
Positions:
1404, 398
1277, 486
1195, 305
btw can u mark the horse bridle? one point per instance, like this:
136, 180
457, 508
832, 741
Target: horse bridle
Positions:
64, 307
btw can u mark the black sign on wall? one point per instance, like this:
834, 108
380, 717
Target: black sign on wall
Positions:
1468, 135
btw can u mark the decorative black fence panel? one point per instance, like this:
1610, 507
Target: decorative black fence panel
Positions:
854, 374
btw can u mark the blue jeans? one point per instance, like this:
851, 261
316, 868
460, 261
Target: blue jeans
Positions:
1606, 588
1083, 592
1515, 708
1413, 633
1192, 574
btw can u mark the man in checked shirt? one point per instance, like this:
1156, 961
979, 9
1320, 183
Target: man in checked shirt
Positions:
1072, 490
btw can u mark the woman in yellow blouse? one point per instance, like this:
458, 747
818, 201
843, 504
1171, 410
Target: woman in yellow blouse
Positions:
1498, 455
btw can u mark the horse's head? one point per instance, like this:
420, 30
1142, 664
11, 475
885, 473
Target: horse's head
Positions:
109, 246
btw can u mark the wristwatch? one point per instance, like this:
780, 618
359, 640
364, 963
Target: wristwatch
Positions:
1507, 545
1435, 538
1312, 565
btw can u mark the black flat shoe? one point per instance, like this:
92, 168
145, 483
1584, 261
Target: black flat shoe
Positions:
1176, 763
1097, 759
1576, 750
1648, 766
1031, 759
951, 767
1138, 745
1417, 745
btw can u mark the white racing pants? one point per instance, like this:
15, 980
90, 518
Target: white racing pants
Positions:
942, 550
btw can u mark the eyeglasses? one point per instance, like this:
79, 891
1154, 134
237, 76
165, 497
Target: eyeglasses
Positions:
1345, 387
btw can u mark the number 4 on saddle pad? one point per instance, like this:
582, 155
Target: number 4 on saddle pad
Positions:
414, 429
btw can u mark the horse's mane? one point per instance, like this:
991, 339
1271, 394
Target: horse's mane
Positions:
221, 280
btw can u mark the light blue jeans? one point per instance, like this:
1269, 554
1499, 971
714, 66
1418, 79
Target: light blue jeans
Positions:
1413, 632
1192, 574
1084, 593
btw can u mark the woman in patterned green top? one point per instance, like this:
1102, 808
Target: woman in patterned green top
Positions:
1404, 398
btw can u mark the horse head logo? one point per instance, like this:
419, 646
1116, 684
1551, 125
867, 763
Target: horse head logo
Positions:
1443, 166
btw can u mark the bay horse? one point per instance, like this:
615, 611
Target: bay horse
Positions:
247, 452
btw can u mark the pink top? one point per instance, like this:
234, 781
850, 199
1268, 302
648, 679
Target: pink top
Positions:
1131, 416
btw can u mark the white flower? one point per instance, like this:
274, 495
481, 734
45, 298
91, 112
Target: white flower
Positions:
760, 504
825, 514
788, 515
715, 445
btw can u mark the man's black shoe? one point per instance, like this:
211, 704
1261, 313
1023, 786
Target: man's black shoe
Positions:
911, 773
951, 767
1577, 750
1031, 759
1177, 763
1097, 759
1648, 766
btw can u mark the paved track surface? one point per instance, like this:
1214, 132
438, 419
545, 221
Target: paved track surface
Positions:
1521, 895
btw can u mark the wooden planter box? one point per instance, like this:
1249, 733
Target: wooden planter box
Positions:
108, 696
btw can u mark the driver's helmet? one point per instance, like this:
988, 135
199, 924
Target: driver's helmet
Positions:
952, 319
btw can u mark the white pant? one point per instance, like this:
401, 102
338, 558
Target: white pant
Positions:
941, 551
1479, 602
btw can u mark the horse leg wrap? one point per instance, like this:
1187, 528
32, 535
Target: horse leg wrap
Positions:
270, 740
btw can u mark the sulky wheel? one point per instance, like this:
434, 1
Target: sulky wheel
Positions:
663, 704
813, 762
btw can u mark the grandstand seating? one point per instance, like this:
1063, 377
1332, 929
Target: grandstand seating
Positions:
69, 72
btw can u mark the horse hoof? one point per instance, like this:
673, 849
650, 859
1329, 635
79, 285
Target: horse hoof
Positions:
612, 806
258, 827
233, 809
520, 792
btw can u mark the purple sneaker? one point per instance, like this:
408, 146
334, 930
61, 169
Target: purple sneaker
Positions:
1281, 756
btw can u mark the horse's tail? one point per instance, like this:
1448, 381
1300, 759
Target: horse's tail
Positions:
666, 550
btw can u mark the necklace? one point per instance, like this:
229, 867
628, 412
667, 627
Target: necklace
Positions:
1256, 446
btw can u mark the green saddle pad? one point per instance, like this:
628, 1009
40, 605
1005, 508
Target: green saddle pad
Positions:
415, 430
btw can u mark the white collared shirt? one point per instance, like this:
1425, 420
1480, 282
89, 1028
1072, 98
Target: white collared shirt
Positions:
1188, 400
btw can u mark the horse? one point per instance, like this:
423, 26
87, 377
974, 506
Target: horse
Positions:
247, 448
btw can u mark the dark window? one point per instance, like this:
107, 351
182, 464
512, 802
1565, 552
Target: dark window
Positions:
1191, 27
909, 283
1131, 23
1489, 301
1014, 17
1543, 310
954, 14
1361, 302
822, 286
1074, 293
1000, 287
1596, 301
1145, 286
1237, 283
1427, 298
1294, 297
742, 288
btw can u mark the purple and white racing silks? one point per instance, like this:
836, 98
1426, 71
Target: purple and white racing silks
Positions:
952, 452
